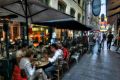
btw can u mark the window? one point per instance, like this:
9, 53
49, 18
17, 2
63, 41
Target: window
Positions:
83, 19
46, 2
61, 6
79, 1
15, 32
72, 12
79, 16
83, 5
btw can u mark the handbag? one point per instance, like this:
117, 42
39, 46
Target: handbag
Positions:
23, 74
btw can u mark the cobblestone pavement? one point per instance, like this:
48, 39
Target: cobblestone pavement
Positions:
103, 66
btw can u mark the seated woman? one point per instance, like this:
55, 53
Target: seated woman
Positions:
28, 68
16, 70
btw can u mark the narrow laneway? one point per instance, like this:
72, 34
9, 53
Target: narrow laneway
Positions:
103, 66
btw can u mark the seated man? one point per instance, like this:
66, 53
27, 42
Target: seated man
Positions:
52, 66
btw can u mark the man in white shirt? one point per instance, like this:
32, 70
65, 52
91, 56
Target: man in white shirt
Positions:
51, 68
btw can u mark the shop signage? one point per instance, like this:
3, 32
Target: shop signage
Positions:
96, 7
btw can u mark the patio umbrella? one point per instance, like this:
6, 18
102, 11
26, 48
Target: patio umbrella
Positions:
31, 11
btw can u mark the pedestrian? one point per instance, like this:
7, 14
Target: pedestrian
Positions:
85, 40
103, 39
92, 42
99, 42
110, 38
115, 40
118, 44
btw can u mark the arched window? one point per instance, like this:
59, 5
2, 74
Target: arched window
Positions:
72, 12
79, 16
46, 2
62, 6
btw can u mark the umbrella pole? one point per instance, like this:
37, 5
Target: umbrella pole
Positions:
26, 17
5, 25
6, 37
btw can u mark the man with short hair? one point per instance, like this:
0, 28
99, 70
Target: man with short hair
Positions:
110, 37
52, 61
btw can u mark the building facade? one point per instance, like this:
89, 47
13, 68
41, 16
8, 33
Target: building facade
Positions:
75, 8
72, 7
113, 10
91, 20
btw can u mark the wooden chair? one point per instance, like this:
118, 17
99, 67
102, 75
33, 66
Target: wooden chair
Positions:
59, 70
1, 78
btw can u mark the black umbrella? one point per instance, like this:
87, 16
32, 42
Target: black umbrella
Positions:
31, 11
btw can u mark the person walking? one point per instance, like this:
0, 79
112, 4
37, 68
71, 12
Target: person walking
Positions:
117, 49
99, 41
92, 42
109, 40
103, 40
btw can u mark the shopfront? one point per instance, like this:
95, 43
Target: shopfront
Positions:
63, 34
39, 34
14, 31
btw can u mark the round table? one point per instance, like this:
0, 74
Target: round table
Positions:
42, 64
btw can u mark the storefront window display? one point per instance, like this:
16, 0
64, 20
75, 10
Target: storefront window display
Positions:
39, 34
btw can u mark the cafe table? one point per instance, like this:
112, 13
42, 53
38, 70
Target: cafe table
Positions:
40, 63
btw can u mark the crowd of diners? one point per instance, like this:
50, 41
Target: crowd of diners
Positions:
25, 69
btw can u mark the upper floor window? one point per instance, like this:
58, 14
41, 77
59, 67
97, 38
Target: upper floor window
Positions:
79, 16
83, 5
72, 12
46, 2
61, 6
83, 19
79, 1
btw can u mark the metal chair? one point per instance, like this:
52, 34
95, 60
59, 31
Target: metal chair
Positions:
76, 55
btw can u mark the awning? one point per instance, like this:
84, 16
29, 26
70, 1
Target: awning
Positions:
65, 24
94, 27
114, 5
36, 11
113, 12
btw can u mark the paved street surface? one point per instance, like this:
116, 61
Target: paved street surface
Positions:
104, 66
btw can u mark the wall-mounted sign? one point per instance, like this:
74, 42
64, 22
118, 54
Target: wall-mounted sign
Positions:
96, 7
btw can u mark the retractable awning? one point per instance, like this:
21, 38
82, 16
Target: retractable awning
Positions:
65, 24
